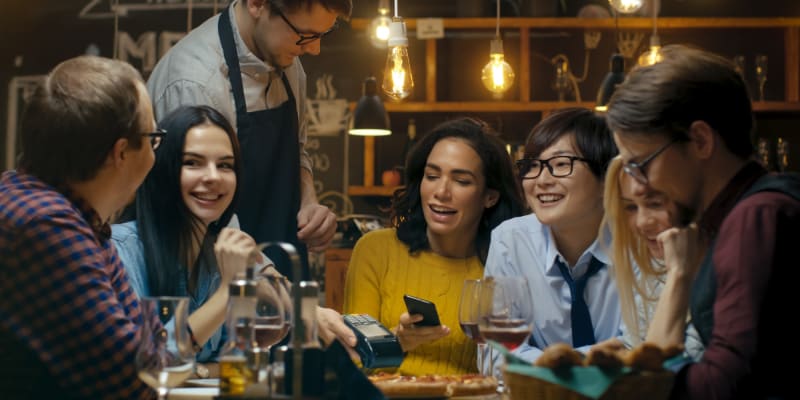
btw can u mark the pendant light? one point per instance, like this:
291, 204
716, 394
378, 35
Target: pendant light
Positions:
397, 80
497, 75
378, 29
615, 76
370, 117
626, 6
653, 55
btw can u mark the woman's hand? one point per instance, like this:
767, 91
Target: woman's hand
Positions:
684, 249
411, 336
233, 250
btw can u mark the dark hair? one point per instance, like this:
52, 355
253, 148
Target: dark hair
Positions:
688, 85
407, 215
592, 137
166, 226
73, 119
342, 7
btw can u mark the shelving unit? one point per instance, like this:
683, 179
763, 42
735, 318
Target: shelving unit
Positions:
791, 103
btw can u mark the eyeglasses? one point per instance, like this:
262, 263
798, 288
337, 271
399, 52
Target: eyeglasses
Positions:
636, 170
156, 137
558, 166
306, 38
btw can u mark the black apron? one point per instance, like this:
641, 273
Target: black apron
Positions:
269, 194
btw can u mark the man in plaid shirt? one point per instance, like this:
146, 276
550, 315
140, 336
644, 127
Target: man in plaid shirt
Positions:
68, 318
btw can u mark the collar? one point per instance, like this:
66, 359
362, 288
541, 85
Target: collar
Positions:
726, 199
598, 249
249, 64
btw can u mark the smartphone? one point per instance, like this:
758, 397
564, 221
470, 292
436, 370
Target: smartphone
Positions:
415, 305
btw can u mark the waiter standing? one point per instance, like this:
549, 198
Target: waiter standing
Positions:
244, 62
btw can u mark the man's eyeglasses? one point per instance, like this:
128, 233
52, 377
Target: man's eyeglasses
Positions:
558, 166
636, 170
304, 37
156, 137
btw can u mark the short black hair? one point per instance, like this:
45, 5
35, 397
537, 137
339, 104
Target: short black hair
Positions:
592, 137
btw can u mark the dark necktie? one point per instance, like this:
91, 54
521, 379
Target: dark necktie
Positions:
582, 330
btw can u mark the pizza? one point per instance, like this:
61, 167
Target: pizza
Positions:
395, 385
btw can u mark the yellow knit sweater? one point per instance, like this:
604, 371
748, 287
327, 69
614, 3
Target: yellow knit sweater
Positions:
381, 271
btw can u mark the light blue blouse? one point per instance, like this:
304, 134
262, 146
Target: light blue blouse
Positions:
523, 246
131, 251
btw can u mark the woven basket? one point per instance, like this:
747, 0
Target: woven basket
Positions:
638, 385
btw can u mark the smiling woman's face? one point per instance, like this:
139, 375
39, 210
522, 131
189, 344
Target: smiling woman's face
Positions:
208, 177
648, 212
453, 191
565, 201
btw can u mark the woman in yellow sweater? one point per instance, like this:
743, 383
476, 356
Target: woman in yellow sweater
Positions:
460, 185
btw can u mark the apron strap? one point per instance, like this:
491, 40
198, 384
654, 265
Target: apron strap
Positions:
232, 61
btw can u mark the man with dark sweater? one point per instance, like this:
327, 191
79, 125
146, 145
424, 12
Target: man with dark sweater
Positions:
683, 127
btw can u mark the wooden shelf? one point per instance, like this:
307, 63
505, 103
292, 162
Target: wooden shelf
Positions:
371, 190
538, 106
602, 23
431, 103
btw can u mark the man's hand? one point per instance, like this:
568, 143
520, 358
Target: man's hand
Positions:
331, 327
317, 225
411, 336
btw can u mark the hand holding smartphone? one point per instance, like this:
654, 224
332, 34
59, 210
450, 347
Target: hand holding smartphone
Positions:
415, 305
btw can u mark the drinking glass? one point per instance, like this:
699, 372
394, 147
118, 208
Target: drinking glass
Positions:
268, 327
761, 74
782, 152
507, 315
164, 358
469, 313
738, 64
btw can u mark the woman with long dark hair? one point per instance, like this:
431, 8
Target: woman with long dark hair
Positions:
179, 243
460, 185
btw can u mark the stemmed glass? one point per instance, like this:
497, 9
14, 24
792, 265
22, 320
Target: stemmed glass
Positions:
761, 74
782, 151
164, 358
469, 313
508, 320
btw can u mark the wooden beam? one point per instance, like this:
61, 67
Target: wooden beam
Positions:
430, 70
369, 161
524, 71
603, 23
792, 52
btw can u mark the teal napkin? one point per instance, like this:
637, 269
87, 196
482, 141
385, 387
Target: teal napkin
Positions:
589, 381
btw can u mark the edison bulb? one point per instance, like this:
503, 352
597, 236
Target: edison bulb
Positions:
497, 75
379, 31
626, 6
398, 82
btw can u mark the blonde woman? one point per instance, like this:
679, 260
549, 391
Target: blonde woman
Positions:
635, 218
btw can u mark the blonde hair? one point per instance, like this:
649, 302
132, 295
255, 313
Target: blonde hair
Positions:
628, 251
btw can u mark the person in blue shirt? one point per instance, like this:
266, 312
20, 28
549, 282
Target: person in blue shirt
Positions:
179, 243
558, 248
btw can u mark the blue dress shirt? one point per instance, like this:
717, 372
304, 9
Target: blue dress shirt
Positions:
523, 246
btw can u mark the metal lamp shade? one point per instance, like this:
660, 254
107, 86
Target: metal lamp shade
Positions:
370, 117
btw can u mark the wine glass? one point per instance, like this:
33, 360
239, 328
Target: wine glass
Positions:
738, 64
761, 74
268, 326
508, 314
782, 152
164, 358
469, 313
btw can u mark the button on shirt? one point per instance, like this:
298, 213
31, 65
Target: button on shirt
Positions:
65, 294
523, 246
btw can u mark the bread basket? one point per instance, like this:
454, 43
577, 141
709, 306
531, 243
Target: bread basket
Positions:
525, 381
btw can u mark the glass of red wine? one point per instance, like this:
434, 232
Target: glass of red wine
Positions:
507, 312
469, 313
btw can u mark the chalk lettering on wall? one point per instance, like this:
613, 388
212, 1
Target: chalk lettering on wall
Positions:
99, 9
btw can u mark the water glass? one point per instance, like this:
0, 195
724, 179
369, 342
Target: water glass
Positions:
164, 358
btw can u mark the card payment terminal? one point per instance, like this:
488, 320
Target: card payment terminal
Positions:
377, 346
